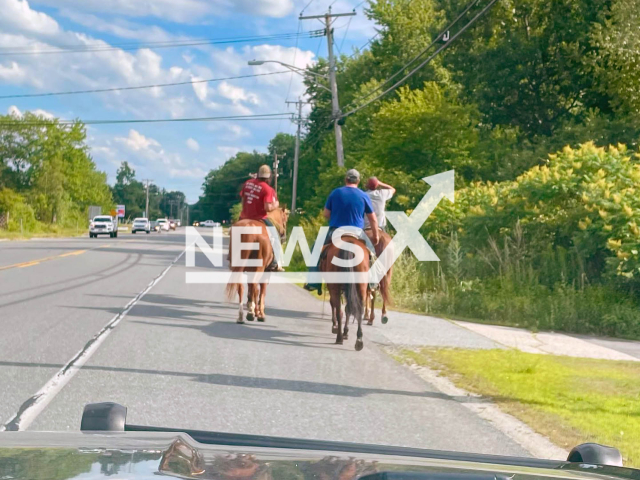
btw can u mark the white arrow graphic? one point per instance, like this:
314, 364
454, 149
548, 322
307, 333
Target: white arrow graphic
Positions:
408, 227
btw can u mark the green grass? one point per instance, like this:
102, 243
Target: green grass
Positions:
45, 232
570, 400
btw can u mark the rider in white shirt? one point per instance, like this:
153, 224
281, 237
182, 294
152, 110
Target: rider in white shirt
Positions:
379, 193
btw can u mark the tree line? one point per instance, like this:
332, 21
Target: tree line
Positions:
48, 179
537, 108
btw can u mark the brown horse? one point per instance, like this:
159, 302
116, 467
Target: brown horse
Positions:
385, 284
355, 293
256, 289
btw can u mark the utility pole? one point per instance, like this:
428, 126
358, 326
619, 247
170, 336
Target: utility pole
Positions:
296, 158
276, 161
335, 105
146, 211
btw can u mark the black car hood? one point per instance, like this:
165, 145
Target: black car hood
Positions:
147, 455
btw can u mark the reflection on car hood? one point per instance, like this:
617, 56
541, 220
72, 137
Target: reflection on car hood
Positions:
142, 455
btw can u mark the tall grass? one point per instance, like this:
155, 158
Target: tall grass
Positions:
502, 284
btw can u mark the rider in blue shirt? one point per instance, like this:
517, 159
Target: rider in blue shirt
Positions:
347, 207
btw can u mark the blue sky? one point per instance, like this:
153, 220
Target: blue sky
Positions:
175, 155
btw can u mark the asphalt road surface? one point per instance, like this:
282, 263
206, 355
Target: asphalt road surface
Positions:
178, 359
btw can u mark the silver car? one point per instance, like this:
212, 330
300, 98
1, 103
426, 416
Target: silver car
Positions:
141, 225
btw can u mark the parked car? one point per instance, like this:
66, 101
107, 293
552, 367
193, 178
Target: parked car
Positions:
208, 223
103, 225
163, 223
141, 225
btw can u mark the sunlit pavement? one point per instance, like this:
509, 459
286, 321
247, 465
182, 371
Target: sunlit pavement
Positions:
178, 358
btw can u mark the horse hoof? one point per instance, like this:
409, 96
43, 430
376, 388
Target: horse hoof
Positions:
346, 336
334, 330
240, 321
385, 319
261, 319
359, 345
339, 342
370, 322
250, 317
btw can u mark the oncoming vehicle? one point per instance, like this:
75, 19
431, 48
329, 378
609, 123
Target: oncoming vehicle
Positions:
196, 224
141, 225
208, 223
172, 224
103, 225
163, 223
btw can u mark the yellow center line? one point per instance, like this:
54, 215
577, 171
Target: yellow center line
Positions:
40, 260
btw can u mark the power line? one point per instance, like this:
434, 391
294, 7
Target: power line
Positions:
436, 40
107, 48
427, 60
344, 37
139, 87
264, 116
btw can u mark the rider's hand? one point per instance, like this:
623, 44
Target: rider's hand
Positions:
375, 239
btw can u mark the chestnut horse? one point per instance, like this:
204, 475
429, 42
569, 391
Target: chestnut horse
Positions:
385, 284
355, 293
256, 289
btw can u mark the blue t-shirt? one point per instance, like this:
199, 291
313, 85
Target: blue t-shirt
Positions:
348, 207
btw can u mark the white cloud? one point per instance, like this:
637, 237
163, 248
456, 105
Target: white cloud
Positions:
228, 152
178, 10
193, 144
194, 172
138, 142
12, 73
236, 94
119, 27
17, 16
15, 111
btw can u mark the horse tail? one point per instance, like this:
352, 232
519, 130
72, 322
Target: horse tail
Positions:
231, 290
354, 304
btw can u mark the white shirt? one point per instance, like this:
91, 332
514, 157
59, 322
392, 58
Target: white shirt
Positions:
379, 200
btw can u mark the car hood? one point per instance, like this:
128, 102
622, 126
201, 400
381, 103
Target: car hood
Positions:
145, 455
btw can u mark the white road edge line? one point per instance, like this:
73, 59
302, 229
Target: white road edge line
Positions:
34, 406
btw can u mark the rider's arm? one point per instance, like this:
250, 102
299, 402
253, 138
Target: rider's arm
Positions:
327, 213
271, 206
387, 187
375, 233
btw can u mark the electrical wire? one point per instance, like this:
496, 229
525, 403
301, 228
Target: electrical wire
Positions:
139, 87
264, 116
344, 37
107, 48
414, 59
427, 60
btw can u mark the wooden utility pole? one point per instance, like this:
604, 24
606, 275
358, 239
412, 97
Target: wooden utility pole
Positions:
335, 105
296, 158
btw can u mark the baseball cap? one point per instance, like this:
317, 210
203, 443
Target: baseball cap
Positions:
352, 176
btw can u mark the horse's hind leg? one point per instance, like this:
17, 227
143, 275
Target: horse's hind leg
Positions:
336, 303
240, 308
334, 312
260, 311
251, 301
371, 299
359, 313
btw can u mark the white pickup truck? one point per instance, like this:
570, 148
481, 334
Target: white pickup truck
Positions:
103, 225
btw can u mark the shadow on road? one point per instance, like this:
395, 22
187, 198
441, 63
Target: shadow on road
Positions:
259, 383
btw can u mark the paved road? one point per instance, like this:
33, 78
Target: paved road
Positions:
178, 359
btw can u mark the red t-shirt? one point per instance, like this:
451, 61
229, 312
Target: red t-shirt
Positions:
255, 193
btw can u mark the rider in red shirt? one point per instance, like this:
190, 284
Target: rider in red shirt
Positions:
258, 199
